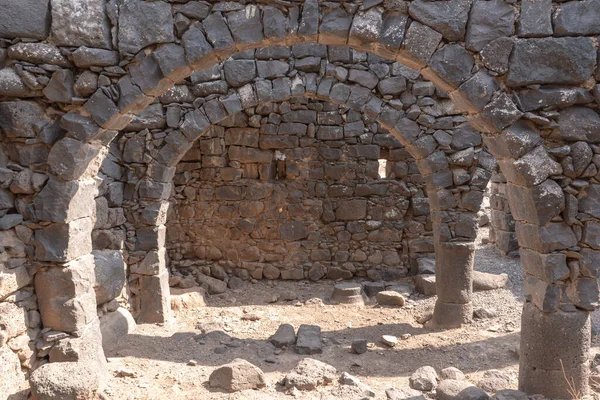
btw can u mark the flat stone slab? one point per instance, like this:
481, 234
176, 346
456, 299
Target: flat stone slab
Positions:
309, 340
285, 336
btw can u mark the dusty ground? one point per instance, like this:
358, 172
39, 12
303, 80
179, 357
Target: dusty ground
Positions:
221, 332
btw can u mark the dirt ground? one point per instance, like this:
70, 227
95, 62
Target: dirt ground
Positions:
238, 324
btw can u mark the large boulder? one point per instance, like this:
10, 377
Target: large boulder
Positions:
237, 375
114, 326
65, 381
109, 269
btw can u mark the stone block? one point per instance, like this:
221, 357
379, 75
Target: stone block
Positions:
453, 63
350, 210
292, 231
546, 267
11, 85
80, 23
309, 340
64, 242
537, 205
70, 159
249, 155
489, 20
577, 19
535, 19
18, 119
67, 298
448, 17
545, 296
13, 384
420, 42
545, 239
531, 169
109, 269
12, 280
25, 19
556, 61
146, 23
154, 299
149, 238
64, 202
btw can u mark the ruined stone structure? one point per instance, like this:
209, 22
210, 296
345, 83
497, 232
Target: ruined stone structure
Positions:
87, 179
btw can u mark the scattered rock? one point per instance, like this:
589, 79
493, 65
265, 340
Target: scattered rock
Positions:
347, 379
359, 346
404, 394
389, 340
494, 380
484, 281
237, 375
424, 379
390, 298
285, 336
510, 394
310, 373
309, 340
451, 389
484, 313
187, 299
452, 373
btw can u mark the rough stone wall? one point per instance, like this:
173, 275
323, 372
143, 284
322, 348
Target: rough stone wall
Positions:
502, 224
525, 73
317, 140
318, 209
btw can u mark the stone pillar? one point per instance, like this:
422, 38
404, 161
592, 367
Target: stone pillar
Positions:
558, 257
502, 223
454, 284
554, 353
152, 302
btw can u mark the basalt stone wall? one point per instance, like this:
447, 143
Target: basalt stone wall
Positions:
525, 73
309, 200
320, 157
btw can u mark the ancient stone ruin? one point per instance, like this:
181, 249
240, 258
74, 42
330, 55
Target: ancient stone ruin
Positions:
149, 144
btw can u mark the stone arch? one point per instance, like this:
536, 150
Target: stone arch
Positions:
556, 232
454, 246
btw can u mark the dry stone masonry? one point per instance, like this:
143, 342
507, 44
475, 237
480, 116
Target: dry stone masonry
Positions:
104, 104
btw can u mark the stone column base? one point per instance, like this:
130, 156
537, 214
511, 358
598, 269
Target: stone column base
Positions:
554, 353
448, 315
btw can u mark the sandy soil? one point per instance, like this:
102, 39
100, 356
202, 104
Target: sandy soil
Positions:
238, 323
